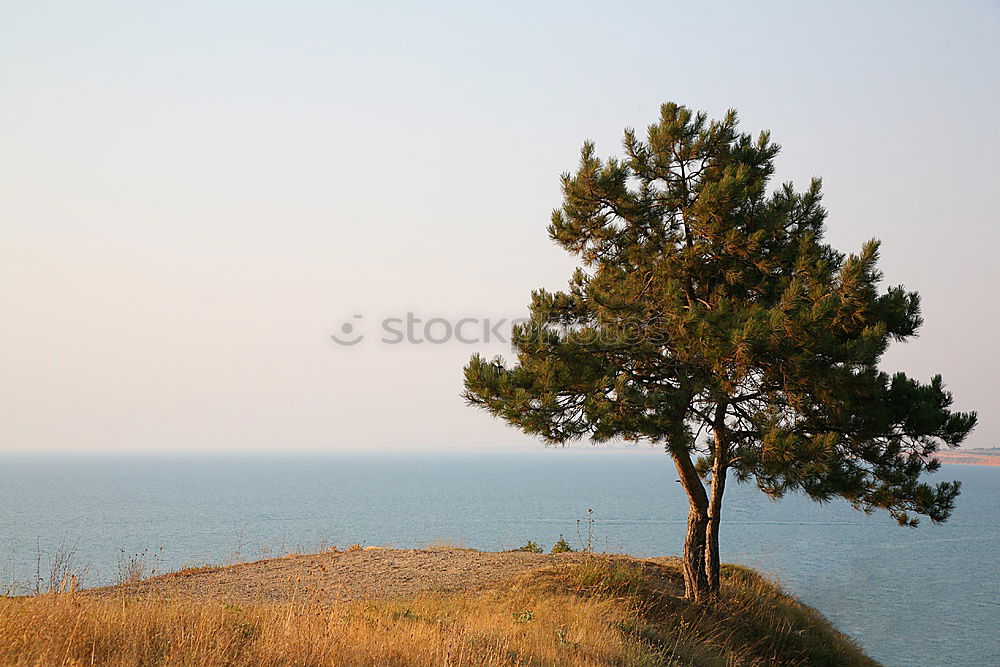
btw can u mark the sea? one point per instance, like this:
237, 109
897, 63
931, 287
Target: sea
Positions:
911, 596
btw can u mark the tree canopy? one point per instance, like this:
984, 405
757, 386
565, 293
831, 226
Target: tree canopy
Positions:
709, 316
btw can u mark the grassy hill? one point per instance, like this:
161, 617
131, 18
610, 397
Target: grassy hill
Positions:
423, 607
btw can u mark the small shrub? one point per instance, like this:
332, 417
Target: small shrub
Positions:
532, 548
526, 616
563, 639
562, 546
134, 568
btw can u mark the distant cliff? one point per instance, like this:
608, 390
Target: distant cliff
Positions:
972, 457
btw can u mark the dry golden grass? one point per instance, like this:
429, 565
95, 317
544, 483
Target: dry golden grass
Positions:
604, 611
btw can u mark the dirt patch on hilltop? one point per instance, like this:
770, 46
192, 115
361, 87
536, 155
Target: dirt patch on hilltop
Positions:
346, 575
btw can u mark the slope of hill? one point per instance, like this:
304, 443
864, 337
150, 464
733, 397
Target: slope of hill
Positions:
424, 607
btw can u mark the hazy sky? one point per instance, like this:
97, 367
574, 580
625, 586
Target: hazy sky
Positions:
195, 195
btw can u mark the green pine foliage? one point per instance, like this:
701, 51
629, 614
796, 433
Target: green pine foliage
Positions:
709, 316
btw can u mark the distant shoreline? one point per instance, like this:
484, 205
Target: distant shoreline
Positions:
972, 457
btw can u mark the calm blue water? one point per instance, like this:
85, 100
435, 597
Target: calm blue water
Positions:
929, 596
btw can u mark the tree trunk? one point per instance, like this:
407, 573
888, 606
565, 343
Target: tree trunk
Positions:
712, 529
695, 581
720, 467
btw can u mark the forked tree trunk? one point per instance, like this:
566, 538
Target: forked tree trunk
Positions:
695, 579
701, 543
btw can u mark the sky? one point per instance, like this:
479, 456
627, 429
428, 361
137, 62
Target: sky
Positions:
194, 196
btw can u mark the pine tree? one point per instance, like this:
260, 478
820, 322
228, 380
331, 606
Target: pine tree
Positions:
709, 316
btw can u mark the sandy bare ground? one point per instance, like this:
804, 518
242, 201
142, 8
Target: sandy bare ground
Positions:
346, 575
